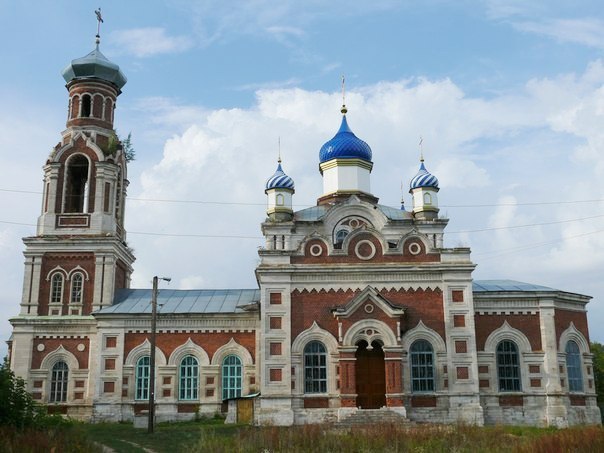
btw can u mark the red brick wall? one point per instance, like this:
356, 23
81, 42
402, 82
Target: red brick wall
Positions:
527, 324
67, 261
121, 275
210, 342
563, 318
351, 257
70, 344
96, 104
425, 305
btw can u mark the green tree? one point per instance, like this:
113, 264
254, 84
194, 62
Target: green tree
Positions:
129, 152
17, 407
597, 349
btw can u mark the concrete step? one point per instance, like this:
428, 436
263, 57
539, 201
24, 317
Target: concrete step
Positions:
372, 417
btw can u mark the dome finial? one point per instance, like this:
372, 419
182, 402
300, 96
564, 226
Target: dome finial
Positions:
100, 20
421, 148
344, 110
279, 144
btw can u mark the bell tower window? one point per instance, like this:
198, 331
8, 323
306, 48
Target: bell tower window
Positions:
86, 106
56, 289
77, 285
76, 190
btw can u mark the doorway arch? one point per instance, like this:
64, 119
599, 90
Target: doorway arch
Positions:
370, 375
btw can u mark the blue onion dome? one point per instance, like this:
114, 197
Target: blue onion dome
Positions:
279, 180
423, 178
345, 145
95, 65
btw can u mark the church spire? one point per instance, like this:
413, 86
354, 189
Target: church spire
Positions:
100, 20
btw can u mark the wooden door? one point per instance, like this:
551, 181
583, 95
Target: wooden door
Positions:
370, 376
245, 410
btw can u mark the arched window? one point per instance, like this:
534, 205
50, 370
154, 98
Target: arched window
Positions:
339, 237
142, 379
427, 198
422, 367
58, 383
86, 106
77, 287
75, 107
315, 368
56, 288
189, 379
573, 367
280, 199
76, 189
231, 377
508, 366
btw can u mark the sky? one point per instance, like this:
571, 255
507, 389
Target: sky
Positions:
507, 95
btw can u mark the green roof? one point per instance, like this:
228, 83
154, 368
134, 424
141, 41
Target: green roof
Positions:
95, 65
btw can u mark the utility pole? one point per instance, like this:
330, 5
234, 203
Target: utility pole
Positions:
151, 424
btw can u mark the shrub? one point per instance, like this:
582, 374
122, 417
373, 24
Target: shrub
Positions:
17, 407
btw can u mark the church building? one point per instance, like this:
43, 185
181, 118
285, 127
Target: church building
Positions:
360, 308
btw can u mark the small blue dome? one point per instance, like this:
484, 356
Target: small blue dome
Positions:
345, 145
279, 180
423, 178
95, 65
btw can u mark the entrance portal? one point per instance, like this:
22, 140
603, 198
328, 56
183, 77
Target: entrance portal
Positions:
370, 375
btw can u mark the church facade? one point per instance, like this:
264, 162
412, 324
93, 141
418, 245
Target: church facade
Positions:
359, 306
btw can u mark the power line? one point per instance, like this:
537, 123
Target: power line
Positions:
212, 236
511, 227
241, 203
497, 253
481, 230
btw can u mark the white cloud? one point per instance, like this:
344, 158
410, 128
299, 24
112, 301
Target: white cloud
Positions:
280, 30
147, 42
460, 173
540, 144
586, 31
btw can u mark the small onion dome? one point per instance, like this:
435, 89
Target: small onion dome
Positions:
95, 65
279, 180
345, 145
423, 178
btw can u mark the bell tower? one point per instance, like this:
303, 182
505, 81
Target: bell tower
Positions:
79, 255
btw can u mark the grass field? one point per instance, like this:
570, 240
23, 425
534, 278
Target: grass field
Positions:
213, 436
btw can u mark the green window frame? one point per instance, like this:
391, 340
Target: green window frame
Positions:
315, 368
508, 367
143, 369
189, 379
58, 383
573, 367
232, 371
422, 367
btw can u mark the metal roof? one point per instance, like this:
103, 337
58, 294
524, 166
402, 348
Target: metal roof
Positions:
423, 178
312, 214
182, 301
95, 65
394, 213
279, 180
345, 145
216, 301
316, 213
479, 286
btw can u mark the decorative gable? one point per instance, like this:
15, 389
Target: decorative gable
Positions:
369, 300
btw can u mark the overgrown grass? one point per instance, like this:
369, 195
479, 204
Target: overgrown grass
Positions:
167, 437
213, 436
68, 438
